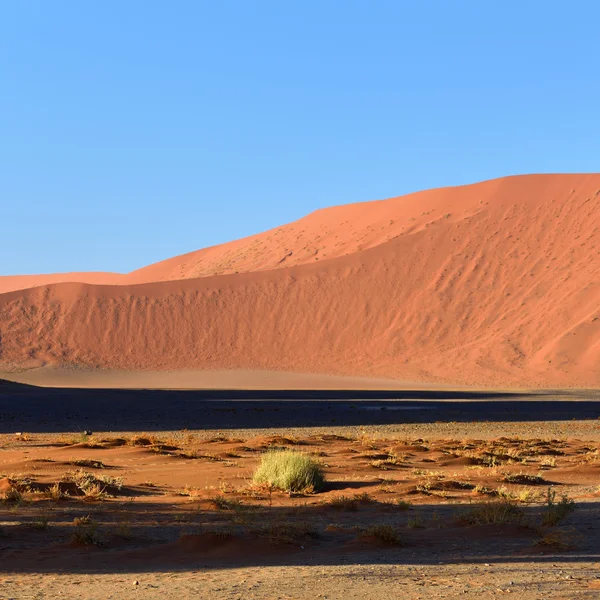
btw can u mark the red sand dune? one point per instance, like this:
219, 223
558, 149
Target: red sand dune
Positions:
8, 283
496, 283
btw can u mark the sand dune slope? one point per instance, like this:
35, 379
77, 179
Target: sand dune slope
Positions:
9, 283
497, 283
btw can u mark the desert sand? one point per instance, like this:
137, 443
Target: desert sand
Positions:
411, 510
491, 284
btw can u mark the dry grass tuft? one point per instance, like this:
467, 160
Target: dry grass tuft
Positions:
86, 531
556, 512
384, 533
496, 513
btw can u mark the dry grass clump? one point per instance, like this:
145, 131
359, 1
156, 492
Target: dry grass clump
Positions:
91, 486
562, 539
55, 493
223, 503
290, 471
495, 513
523, 479
341, 502
290, 532
556, 512
87, 462
384, 533
13, 496
85, 531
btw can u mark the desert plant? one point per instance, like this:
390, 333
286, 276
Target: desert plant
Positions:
291, 532
13, 495
385, 533
88, 462
223, 503
495, 513
41, 522
55, 492
85, 531
562, 539
341, 502
415, 522
556, 512
290, 471
523, 479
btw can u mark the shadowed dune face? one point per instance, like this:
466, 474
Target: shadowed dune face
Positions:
496, 283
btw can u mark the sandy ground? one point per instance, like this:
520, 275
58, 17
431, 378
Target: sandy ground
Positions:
178, 514
494, 284
194, 380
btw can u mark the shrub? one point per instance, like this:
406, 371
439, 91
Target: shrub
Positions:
495, 513
385, 533
290, 471
85, 531
341, 502
556, 512
295, 532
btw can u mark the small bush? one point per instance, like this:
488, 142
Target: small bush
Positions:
562, 539
341, 502
85, 531
385, 533
523, 479
496, 513
88, 462
556, 512
288, 532
41, 523
290, 471
223, 503
13, 495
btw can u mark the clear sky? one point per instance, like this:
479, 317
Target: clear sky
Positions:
135, 130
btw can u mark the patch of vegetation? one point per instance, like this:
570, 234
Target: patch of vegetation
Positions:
223, 503
290, 471
91, 486
55, 493
364, 498
385, 533
88, 462
523, 479
13, 496
86, 531
415, 522
41, 522
341, 502
561, 539
496, 513
292, 532
555, 512
188, 491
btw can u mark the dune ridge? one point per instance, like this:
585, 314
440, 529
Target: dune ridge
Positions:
491, 284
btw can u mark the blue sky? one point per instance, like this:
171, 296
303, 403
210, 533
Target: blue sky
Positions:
134, 131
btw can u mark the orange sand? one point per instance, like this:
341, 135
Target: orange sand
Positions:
496, 283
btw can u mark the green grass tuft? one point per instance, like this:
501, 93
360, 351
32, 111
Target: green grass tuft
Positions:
290, 471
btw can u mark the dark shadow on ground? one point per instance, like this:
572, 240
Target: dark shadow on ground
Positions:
148, 537
38, 410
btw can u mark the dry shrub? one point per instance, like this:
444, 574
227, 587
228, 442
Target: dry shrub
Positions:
495, 513
556, 512
385, 533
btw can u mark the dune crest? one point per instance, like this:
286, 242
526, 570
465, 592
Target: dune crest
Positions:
496, 283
